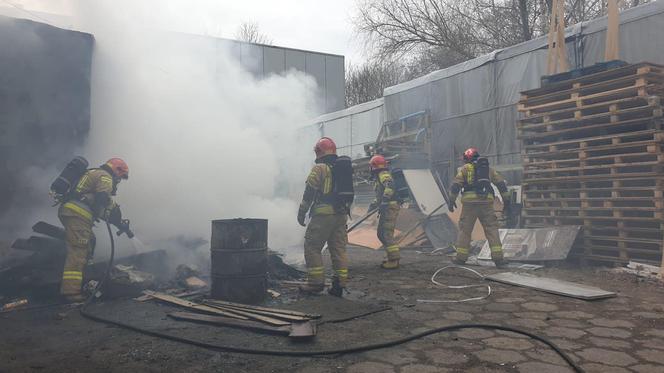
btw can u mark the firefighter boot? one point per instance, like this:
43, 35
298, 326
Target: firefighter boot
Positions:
390, 264
336, 289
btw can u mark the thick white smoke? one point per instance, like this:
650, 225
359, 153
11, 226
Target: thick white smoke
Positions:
203, 139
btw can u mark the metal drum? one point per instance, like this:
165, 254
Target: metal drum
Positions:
239, 260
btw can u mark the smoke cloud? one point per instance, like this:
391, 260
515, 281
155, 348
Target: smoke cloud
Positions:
203, 138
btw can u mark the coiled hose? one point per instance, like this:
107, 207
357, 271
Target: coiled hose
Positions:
294, 353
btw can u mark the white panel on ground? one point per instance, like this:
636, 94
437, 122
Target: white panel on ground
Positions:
551, 285
425, 190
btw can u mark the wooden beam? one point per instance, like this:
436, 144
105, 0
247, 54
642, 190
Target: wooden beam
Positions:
557, 52
191, 305
611, 51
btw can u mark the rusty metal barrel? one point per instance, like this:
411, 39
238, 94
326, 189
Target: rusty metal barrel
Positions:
239, 260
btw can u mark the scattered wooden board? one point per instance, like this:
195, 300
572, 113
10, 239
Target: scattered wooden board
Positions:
295, 330
553, 286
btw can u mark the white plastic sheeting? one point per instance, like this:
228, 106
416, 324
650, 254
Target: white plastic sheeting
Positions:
352, 128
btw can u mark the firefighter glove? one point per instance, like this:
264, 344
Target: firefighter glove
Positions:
115, 216
451, 206
300, 218
123, 227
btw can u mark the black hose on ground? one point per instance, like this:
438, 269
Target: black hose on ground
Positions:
349, 350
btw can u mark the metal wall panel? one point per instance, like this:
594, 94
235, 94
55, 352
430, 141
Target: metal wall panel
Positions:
274, 61
315, 66
252, 59
335, 88
295, 60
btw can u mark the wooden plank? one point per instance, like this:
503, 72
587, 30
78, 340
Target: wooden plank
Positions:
251, 315
571, 112
224, 321
612, 38
269, 309
260, 312
552, 285
191, 305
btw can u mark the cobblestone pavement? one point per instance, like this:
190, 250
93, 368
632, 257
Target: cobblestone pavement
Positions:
621, 334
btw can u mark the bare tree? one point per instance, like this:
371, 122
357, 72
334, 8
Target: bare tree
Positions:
250, 33
465, 28
366, 82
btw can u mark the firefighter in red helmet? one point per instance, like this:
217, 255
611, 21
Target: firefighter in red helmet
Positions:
474, 181
327, 225
90, 200
388, 204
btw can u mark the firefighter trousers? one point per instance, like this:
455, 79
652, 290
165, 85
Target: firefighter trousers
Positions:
322, 229
78, 236
387, 222
470, 213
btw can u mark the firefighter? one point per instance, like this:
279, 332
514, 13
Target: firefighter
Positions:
474, 181
388, 209
327, 225
91, 200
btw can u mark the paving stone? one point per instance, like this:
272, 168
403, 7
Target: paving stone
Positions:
533, 315
566, 344
609, 332
568, 323
540, 307
421, 368
547, 356
511, 334
475, 334
395, 356
409, 286
529, 323
574, 315
462, 344
542, 298
651, 343
315, 369
611, 323
501, 307
534, 366
559, 331
655, 333
610, 343
510, 300
509, 343
619, 308
485, 369
438, 323
646, 368
648, 315
456, 315
496, 356
415, 315
599, 368
652, 356
608, 357
370, 367
493, 316
447, 356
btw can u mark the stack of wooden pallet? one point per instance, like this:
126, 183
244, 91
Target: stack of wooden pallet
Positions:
593, 155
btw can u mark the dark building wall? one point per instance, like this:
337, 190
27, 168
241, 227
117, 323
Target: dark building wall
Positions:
44, 103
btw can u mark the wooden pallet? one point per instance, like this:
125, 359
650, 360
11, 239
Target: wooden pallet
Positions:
556, 147
586, 80
637, 147
526, 131
583, 202
611, 106
606, 128
584, 161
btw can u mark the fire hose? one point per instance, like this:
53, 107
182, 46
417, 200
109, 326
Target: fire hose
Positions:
301, 353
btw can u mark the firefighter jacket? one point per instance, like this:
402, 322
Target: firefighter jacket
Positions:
464, 182
318, 196
384, 187
92, 197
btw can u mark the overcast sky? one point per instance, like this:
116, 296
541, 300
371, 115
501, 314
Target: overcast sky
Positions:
318, 25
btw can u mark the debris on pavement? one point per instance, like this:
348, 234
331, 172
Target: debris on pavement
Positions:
551, 285
539, 244
14, 304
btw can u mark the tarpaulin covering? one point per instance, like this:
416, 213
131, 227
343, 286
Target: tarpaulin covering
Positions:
474, 103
